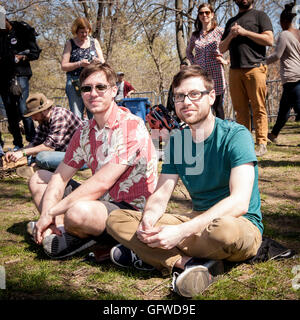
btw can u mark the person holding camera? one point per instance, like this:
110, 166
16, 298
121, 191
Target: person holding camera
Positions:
78, 53
17, 48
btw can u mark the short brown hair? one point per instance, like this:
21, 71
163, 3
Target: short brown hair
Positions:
193, 71
110, 74
80, 23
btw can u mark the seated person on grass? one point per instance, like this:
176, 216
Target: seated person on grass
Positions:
117, 147
56, 128
216, 161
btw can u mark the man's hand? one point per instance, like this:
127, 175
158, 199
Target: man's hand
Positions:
146, 228
41, 228
13, 156
19, 57
238, 30
164, 237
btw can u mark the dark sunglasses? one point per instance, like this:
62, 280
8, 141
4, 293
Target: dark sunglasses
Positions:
201, 13
99, 88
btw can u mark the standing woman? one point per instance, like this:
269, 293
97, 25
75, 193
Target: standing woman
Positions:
78, 53
288, 51
205, 40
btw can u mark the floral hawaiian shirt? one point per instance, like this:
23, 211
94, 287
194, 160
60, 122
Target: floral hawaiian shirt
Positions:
123, 140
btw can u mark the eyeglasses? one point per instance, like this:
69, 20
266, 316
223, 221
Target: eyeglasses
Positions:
192, 95
100, 88
201, 13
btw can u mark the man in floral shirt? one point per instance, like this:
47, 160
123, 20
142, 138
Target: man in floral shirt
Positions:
117, 147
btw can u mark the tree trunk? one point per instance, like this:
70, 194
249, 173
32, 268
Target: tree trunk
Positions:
180, 42
113, 25
97, 32
86, 9
192, 4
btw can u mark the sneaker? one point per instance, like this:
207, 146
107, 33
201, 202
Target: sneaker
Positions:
30, 227
16, 148
261, 150
25, 172
126, 258
60, 247
198, 275
272, 137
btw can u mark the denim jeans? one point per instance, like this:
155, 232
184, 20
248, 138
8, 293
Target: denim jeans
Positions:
1, 151
290, 99
75, 101
50, 160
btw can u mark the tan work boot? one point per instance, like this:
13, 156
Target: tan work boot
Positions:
26, 172
261, 150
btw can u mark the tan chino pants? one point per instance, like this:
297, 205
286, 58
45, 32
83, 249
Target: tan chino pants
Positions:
234, 239
248, 86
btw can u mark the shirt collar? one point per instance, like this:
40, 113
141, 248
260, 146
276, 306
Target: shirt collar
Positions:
113, 118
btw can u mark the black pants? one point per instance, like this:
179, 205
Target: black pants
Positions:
218, 106
290, 99
15, 108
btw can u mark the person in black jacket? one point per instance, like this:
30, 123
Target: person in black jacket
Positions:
17, 48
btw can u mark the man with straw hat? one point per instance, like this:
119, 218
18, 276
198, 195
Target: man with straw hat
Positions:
56, 127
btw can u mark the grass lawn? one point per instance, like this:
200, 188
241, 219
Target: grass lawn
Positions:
31, 275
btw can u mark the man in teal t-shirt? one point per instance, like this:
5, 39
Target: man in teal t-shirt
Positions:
216, 161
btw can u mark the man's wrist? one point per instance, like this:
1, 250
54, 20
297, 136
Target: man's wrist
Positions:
24, 153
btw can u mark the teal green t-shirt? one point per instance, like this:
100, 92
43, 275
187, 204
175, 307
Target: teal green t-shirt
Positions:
205, 167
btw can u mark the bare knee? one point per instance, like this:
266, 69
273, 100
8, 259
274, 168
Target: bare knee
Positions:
83, 219
75, 216
40, 177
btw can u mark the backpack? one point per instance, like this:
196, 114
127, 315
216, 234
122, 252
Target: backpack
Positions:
271, 250
159, 118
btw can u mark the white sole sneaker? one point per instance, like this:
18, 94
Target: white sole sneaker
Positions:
60, 247
30, 227
195, 279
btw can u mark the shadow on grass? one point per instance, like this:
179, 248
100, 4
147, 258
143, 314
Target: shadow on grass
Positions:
283, 196
280, 163
43, 290
283, 227
14, 189
20, 229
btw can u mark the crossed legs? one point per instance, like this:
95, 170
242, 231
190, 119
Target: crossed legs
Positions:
83, 219
234, 239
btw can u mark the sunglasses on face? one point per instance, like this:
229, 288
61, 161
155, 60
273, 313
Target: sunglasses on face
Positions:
201, 13
100, 88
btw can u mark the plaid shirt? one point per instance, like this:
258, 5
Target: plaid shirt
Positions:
123, 140
206, 48
58, 131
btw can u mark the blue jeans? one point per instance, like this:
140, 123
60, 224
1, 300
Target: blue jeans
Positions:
1, 151
290, 99
75, 101
50, 160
